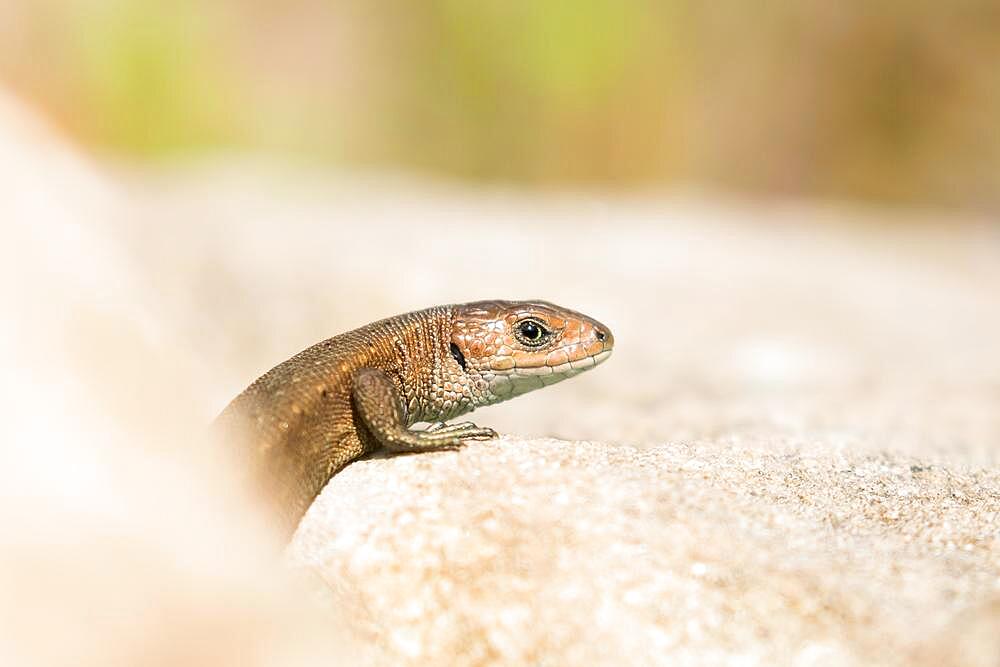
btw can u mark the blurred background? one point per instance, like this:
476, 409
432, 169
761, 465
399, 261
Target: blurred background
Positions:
890, 101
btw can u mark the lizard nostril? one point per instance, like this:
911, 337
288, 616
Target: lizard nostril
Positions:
600, 334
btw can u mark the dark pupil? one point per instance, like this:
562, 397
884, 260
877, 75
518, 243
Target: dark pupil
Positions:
531, 331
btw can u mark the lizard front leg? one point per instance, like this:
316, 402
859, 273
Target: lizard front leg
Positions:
380, 410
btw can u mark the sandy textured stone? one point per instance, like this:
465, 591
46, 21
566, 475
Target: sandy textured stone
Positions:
551, 552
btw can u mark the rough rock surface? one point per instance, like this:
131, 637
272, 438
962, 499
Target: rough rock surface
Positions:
553, 552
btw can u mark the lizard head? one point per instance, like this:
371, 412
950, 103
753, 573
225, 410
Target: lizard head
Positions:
507, 348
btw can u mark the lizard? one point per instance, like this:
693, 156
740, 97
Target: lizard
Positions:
362, 391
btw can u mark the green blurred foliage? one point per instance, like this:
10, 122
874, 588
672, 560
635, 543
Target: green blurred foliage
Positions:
892, 100
149, 76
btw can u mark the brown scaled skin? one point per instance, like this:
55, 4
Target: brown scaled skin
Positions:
305, 419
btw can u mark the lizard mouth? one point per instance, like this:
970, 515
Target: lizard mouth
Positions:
568, 368
524, 378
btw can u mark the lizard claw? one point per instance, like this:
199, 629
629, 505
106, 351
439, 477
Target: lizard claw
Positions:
480, 433
463, 430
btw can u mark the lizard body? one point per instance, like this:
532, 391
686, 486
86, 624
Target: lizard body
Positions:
305, 419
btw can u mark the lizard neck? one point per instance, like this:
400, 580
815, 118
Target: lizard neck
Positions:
429, 379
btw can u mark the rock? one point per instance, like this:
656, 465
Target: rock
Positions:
552, 552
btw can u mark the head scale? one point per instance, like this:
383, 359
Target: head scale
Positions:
501, 349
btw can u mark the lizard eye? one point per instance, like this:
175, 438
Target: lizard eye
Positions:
531, 332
